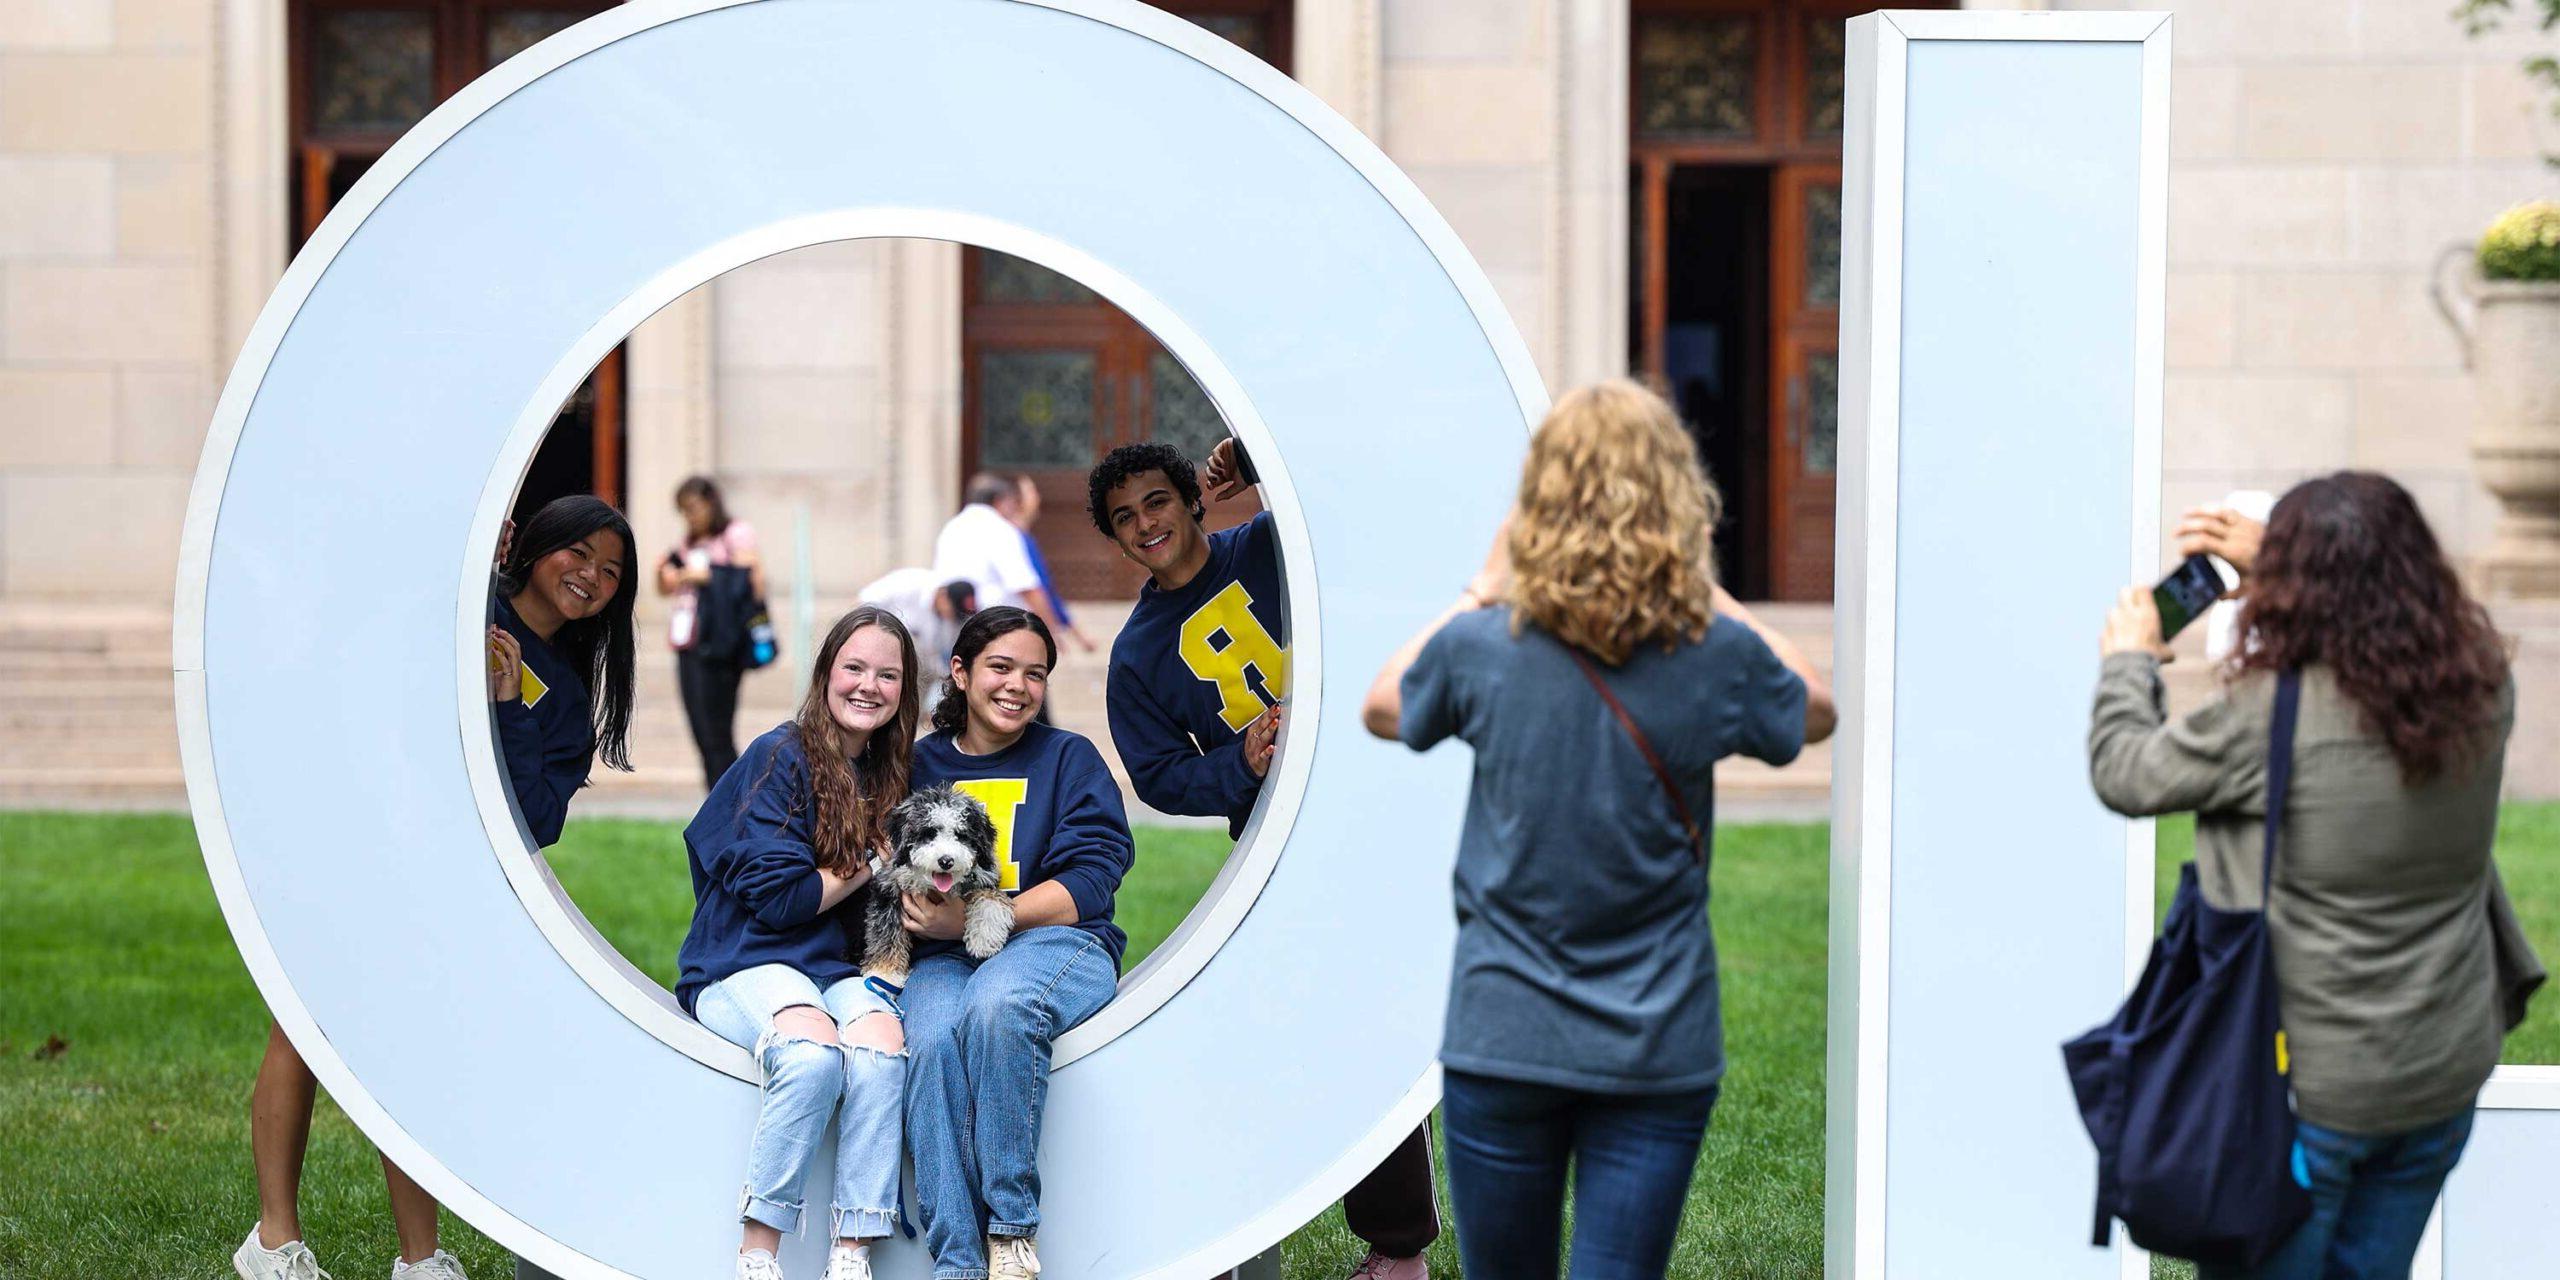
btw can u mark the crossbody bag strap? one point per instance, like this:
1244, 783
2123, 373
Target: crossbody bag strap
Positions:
1661, 773
2279, 775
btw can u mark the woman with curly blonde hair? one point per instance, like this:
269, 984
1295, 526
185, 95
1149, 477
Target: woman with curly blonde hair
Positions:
1599, 673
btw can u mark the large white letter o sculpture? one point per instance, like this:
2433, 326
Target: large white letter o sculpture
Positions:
336, 735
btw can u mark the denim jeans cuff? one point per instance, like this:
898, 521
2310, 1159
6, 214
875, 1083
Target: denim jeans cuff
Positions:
965, 1273
776, 1214
864, 1224
1013, 1230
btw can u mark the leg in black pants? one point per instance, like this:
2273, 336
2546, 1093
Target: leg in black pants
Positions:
1510, 1144
710, 694
1396, 1209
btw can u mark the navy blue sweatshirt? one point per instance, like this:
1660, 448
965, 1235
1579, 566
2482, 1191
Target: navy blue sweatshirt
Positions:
755, 876
1057, 814
545, 737
1194, 667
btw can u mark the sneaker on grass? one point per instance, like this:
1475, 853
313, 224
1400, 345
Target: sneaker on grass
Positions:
288, 1261
1378, 1266
1011, 1258
435, 1266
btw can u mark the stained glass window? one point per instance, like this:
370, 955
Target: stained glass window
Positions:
512, 31
1696, 77
1821, 413
372, 70
1184, 418
1245, 31
1822, 246
1826, 53
1005, 278
1035, 409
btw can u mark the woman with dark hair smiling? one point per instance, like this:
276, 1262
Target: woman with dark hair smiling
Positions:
981, 1030
2398, 970
560, 626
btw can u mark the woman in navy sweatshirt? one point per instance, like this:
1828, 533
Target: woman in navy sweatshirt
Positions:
778, 852
981, 1031
561, 625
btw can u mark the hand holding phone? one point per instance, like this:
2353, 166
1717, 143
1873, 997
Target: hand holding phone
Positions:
2186, 593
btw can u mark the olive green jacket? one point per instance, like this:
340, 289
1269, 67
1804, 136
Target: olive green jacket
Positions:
2388, 914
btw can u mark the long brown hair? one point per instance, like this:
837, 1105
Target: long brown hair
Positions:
854, 794
2350, 576
1610, 535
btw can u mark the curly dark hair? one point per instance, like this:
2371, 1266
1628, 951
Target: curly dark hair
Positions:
1137, 459
983, 628
2350, 576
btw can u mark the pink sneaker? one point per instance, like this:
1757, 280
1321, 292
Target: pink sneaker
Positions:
1378, 1266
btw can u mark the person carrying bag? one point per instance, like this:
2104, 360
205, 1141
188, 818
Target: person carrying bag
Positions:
2345, 781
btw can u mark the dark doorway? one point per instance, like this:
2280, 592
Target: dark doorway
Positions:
1715, 342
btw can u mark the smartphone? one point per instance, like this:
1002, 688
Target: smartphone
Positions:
2186, 593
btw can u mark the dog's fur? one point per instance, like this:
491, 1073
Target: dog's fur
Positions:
936, 830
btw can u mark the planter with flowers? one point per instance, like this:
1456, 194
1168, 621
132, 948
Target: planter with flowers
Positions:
2508, 313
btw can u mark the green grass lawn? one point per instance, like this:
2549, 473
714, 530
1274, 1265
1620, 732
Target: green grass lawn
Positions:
125, 1151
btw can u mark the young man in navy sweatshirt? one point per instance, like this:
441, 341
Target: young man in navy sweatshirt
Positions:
1197, 696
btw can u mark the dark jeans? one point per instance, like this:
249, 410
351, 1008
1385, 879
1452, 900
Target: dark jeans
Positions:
1510, 1144
2370, 1197
1396, 1209
710, 693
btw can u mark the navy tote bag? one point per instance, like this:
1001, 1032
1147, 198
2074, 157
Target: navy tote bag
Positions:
2184, 1089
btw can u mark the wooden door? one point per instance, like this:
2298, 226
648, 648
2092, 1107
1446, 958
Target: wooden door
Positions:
1804, 326
361, 73
1750, 93
1053, 376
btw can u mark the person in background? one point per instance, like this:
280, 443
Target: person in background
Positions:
779, 851
981, 1031
707, 682
933, 611
1198, 724
1025, 514
1584, 1032
560, 628
985, 544
2398, 965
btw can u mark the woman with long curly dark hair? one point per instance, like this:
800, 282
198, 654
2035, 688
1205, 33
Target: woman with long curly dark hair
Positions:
2385, 911
778, 851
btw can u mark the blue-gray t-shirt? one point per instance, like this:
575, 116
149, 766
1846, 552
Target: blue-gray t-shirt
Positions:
1585, 959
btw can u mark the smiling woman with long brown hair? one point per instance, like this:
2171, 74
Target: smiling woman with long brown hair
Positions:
1599, 673
2398, 967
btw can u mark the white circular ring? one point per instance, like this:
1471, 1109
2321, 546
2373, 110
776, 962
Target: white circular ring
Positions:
342, 785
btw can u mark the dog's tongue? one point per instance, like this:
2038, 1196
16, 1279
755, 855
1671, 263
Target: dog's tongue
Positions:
942, 882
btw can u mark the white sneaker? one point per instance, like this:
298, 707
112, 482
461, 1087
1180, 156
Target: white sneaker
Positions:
1011, 1258
756, 1264
291, 1261
845, 1264
435, 1266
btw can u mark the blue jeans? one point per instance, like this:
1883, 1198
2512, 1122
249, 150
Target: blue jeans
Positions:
980, 1035
2370, 1197
1510, 1143
805, 1085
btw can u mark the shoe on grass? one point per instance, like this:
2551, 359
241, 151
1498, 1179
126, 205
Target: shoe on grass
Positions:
288, 1261
848, 1264
756, 1264
1011, 1258
435, 1266
1378, 1266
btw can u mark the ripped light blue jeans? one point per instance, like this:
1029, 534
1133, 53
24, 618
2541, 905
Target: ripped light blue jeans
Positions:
807, 1084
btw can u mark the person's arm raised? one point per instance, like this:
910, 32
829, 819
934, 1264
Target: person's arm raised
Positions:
1821, 712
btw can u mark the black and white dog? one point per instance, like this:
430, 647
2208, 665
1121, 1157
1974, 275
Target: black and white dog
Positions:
940, 842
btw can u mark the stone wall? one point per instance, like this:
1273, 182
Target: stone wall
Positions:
107, 290
2322, 156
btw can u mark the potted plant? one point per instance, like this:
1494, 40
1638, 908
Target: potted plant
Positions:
2508, 314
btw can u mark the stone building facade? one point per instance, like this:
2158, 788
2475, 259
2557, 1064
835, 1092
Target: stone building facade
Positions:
158, 161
